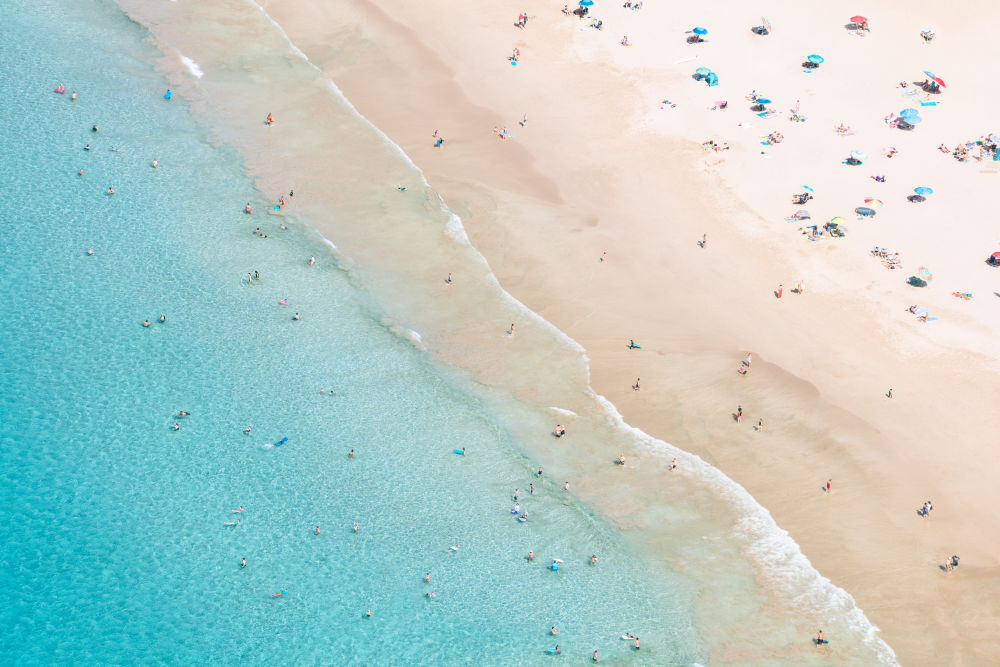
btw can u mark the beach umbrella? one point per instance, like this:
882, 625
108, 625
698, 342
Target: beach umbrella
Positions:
922, 190
921, 310
700, 31
930, 74
995, 255
806, 187
859, 155
767, 24
586, 3
925, 273
864, 211
803, 214
836, 221
814, 59
913, 120
877, 203
763, 100
859, 19
906, 113
938, 81
703, 71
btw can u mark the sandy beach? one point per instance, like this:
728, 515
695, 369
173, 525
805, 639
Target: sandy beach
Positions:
604, 153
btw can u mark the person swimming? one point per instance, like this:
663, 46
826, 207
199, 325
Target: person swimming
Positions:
593, 559
237, 511
368, 613
155, 163
111, 190
453, 547
182, 413
90, 251
312, 260
317, 530
176, 426
248, 210
295, 316
350, 454
247, 430
427, 578
279, 593
553, 631
93, 129
145, 323
530, 556
87, 147
355, 526
163, 318
431, 595
233, 523
243, 563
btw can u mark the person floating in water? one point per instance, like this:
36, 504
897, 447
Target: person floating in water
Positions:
530, 556
244, 562
111, 190
317, 530
279, 593
593, 559
553, 631
248, 209
167, 95
312, 260
295, 316
145, 323
163, 318
233, 523
237, 511
559, 431
427, 578
183, 413
350, 454
247, 430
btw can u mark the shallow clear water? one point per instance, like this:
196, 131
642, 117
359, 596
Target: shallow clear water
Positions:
116, 548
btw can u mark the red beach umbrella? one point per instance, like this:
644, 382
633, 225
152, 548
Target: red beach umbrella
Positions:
859, 19
938, 81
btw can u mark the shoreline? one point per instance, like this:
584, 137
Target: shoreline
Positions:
520, 261
899, 604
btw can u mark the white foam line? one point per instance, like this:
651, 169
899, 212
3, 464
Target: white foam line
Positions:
774, 551
191, 65
562, 411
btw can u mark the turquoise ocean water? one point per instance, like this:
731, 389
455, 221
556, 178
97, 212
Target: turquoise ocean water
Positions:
115, 545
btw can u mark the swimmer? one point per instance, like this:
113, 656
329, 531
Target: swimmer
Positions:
163, 318
312, 260
595, 655
248, 210
317, 530
247, 430
368, 613
350, 454
233, 523
636, 643
539, 471
565, 486
87, 147
176, 426
93, 129
73, 96
243, 563
279, 593
463, 451
182, 413
155, 163
256, 275
530, 556
427, 578
250, 278
453, 547
355, 526
431, 595
90, 251
80, 173
593, 559
111, 190
238, 510
295, 316
553, 631
556, 649
145, 323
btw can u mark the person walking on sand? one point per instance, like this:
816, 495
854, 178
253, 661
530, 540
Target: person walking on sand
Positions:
511, 331
748, 360
739, 414
829, 483
635, 387
801, 287
760, 425
889, 393
781, 290
604, 255
704, 240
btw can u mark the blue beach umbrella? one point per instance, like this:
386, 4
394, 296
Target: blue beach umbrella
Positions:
859, 155
703, 71
814, 59
930, 74
806, 187
586, 3
907, 113
763, 100
700, 31
913, 120
923, 190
